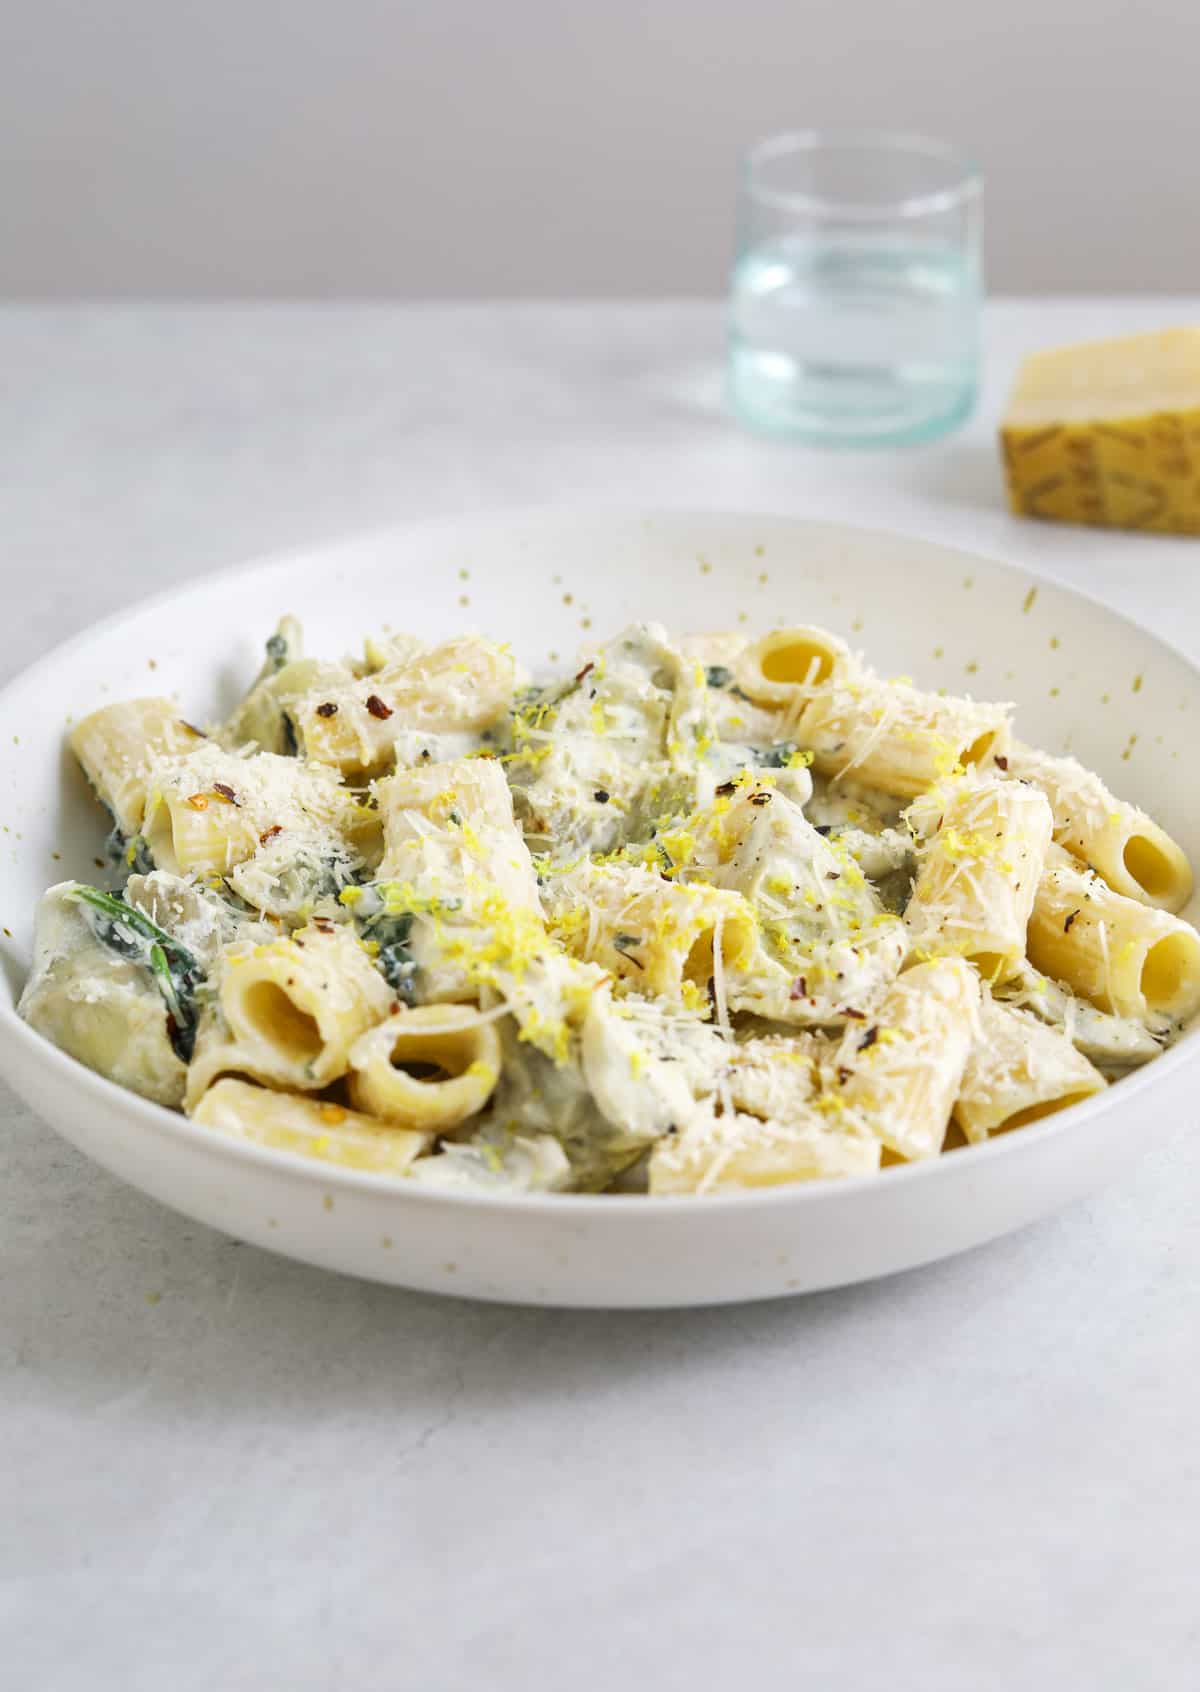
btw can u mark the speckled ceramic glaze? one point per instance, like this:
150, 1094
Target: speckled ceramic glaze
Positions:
1083, 680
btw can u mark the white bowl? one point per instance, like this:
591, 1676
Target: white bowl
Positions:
1084, 680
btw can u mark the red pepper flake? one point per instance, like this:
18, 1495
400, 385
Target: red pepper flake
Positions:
270, 833
1000, 763
843, 1074
859, 1016
759, 798
1069, 921
799, 988
586, 670
868, 1039
329, 709
377, 708
726, 788
226, 792
198, 801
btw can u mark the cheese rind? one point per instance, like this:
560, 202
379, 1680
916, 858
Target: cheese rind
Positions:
1108, 434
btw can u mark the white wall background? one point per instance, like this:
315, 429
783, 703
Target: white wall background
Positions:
494, 147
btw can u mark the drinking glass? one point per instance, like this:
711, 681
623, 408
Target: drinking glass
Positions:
855, 299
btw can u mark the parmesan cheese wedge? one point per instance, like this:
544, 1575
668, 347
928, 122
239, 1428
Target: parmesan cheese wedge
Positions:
1108, 433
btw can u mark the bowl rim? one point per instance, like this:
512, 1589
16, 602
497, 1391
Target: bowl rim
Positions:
16, 1035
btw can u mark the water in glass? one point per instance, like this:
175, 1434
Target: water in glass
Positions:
854, 337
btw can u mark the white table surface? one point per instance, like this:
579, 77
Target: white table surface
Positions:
224, 1471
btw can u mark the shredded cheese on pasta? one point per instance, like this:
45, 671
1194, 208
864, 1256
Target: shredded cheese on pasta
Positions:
701, 914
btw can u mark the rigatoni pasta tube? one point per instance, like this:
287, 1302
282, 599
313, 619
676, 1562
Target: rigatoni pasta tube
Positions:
211, 810
312, 1127
889, 735
767, 850
197, 831
733, 715
716, 1153
654, 936
1123, 956
1119, 1042
428, 1068
291, 1010
898, 1076
100, 1006
825, 940
978, 874
774, 1077
787, 664
1019, 1070
264, 715
118, 747
455, 820
462, 685
1129, 849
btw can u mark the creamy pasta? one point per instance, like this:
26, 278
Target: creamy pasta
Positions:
704, 914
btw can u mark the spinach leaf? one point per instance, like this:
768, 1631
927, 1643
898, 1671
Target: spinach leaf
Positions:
131, 934
393, 934
384, 913
310, 875
129, 853
774, 757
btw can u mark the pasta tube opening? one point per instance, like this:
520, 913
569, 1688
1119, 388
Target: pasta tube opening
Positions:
1133, 854
797, 657
1019, 1071
1044, 1107
159, 829
1121, 955
269, 1011
773, 670
1169, 973
699, 966
431, 1067
700, 963
992, 966
892, 736
291, 1009
196, 831
979, 749
1152, 866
